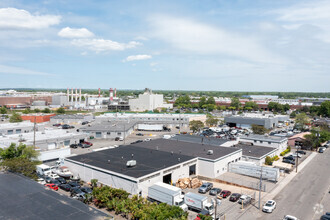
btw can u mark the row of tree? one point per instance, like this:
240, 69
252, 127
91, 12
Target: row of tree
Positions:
20, 159
135, 207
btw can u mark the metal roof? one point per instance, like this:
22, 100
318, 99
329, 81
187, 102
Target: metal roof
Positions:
257, 137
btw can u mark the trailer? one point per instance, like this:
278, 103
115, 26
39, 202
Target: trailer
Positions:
165, 193
43, 170
198, 203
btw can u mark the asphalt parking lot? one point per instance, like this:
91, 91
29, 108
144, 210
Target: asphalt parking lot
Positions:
228, 209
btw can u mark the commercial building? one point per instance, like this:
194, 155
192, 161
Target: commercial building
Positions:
255, 154
71, 119
154, 161
19, 128
37, 117
109, 130
297, 139
148, 101
52, 144
169, 120
60, 100
279, 143
248, 119
26, 199
110, 167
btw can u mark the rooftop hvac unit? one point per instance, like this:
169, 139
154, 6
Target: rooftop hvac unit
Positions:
210, 152
131, 163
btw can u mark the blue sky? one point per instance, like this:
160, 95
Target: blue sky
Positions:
220, 45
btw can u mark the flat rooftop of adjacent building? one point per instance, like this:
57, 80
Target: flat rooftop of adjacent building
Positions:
45, 135
200, 140
16, 125
109, 126
147, 160
259, 137
187, 148
82, 116
26, 199
254, 150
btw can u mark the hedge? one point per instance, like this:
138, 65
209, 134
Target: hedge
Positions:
288, 149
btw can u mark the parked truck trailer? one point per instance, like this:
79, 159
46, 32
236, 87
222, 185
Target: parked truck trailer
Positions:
165, 193
198, 202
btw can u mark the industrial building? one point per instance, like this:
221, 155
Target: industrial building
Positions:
169, 120
107, 130
52, 144
255, 154
71, 119
247, 120
279, 143
19, 128
136, 167
148, 101
111, 167
37, 117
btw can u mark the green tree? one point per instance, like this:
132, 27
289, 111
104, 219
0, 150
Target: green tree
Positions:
156, 111
258, 129
210, 101
94, 183
3, 110
202, 102
196, 125
235, 103
15, 117
268, 160
183, 101
325, 109
46, 110
293, 114
301, 120
37, 110
251, 105
211, 121
60, 111
26, 111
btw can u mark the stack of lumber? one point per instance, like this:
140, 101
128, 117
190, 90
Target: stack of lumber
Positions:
188, 183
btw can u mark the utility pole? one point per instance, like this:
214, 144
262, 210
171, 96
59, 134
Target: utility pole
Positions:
124, 133
260, 184
34, 133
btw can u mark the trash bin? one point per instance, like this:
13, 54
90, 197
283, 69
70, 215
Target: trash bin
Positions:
91, 137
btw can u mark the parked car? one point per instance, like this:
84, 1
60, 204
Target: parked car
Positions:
215, 191
47, 179
76, 191
139, 134
290, 157
84, 123
89, 143
290, 217
65, 187
301, 152
82, 145
269, 206
294, 155
74, 146
326, 216
86, 190
57, 125
147, 139
66, 126
52, 186
322, 149
74, 184
61, 180
289, 161
234, 197
225, 193
56, 182
244, 199
117, 139
205, 187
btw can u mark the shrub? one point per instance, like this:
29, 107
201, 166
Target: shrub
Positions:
268, 160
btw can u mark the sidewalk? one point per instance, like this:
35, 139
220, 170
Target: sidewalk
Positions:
288, 178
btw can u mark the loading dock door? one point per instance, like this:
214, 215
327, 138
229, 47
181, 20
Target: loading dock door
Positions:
167, 178
192, 170
51, 146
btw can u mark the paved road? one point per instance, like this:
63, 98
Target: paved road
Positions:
306, 194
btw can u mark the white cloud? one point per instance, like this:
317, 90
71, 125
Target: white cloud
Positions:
153, 64
21, 71
101, 45
138, 57
13, 18
75, 33
192, 36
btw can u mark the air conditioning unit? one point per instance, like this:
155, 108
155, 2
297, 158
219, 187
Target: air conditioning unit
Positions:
210, 152
131, 163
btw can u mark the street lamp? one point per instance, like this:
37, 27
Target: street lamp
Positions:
216, 202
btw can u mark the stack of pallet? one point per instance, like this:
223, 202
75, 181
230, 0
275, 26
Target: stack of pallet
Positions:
188, 183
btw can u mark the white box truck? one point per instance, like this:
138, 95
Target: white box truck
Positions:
165, 193
198, 202
43, 170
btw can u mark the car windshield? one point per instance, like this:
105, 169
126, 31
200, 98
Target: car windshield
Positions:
209, 208
204, 185
268, 204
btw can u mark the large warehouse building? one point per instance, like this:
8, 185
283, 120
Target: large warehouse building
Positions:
156, 160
